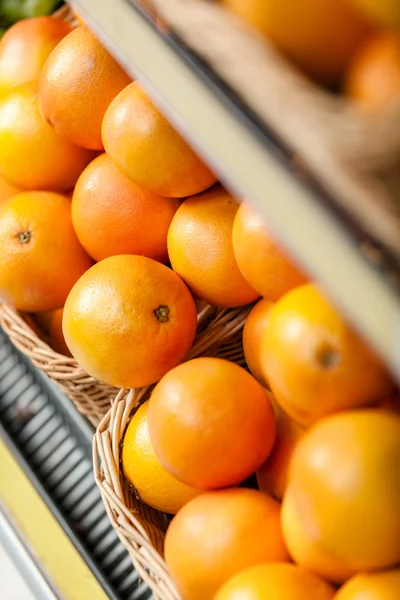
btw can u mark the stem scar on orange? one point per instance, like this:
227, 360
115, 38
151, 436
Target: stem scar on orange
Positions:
315, 362
41, 258
129, 320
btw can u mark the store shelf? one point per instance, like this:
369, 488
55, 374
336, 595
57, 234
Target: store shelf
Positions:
51, 513
254, 165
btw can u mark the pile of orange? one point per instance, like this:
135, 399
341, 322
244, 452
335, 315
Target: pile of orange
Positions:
283, 476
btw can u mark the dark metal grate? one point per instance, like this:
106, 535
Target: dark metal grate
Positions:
52, 442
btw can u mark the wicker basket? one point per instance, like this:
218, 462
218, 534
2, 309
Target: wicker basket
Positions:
91, 397
141, 528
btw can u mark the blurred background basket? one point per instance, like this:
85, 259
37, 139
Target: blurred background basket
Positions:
353, 153
141, 528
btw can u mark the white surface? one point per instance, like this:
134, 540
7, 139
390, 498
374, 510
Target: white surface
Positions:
12, 584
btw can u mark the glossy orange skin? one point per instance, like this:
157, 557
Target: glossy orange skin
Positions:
263, 264
315, 362
320, 36
200, 249
129, 320
275, 581
41, 257
149, 150
253, 332
78, 82
32, 155
112, 215
211, 423
57, 340
272, 476
340, 511
7, 190
374, 75
219, 534
155, 486
25, 47
372, 586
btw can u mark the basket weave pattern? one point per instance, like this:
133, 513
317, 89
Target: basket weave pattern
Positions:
91, 397
141, 528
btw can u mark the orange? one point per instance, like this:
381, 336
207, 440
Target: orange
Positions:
372, 586
78, 82
148, 150
374, 75
272, 475
155, 486
7, 190
25, 47
275, 581
200, 249
381, 12
112, 215
41, 257
211, 423
263, 264
340, 510
320, 36
253, 332
57, 339
315, 362
129, 320
32, 155
217, 535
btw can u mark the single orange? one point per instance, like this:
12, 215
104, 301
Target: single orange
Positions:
211, 423
32, 155
253, 332
155, 486
372, 586
275, 581
340, 511
57, 339
148, 150
320, 36
129, 320
200, 249
41, 257
112, 215
78, 82
217, 535
24, 49
7, 190
315, 362
273, 474
374, 75
262, 262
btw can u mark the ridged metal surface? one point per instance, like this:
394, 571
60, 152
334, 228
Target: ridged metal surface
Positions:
53, 444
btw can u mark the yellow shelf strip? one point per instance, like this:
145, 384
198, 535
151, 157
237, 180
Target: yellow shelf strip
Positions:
45, 539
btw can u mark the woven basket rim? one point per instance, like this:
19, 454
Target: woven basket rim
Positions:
142, 534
